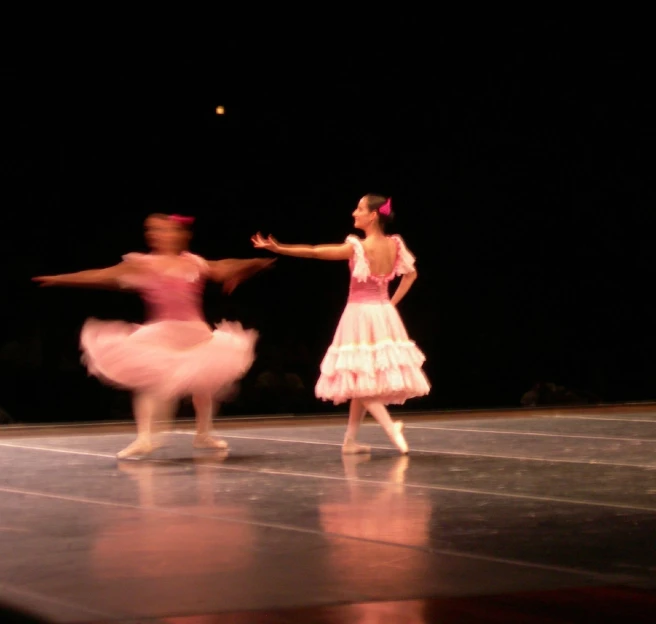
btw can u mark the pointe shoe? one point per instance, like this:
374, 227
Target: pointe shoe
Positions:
206, 441
208, 459
138, 447
351, 447
398, 438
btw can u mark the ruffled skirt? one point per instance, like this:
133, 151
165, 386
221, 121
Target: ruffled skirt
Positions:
168, 358
371, 356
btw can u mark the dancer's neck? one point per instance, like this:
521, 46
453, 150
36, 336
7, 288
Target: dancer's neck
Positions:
168, 254
373, 232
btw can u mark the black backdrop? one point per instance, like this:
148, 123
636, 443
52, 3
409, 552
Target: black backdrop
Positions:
521, 175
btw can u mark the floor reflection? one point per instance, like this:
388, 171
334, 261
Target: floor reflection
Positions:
378, 512
141, 543
380, 613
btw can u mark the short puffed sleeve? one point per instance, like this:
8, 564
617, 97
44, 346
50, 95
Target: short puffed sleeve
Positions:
405, 261
136, 258
201, 264
137, 265
359, 266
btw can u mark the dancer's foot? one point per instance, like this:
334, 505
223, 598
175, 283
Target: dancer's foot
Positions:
398, 438
219, 455
206, 441
351, 447
141, 446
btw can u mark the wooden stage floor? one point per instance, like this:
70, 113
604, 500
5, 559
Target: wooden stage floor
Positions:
522, 516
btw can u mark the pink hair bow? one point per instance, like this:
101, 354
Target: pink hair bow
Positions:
182, 220
386, 208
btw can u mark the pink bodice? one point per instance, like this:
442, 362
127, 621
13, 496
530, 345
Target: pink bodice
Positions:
368, 288
173, 299
169, 295
372, 290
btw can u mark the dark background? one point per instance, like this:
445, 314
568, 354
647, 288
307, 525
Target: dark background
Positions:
521, 171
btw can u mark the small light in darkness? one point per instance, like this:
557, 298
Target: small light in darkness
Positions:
220, 110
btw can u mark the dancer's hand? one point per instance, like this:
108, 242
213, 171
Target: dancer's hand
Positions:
270, 243
46, 280
262, 264
255, 266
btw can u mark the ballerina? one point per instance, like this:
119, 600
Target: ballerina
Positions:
175, 353
371, 361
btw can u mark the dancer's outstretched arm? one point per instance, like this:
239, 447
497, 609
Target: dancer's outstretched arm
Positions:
99, 278
233, 271
343, 251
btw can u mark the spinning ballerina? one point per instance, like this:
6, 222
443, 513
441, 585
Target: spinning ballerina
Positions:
175, 353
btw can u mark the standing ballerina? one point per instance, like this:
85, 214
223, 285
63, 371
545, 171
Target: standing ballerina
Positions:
371, 360
175, 353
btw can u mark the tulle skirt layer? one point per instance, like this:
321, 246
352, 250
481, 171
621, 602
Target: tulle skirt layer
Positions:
371, 356
168, 358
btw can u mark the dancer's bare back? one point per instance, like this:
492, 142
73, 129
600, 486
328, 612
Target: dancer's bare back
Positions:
381, 254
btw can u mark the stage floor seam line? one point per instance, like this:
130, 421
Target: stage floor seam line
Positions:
615, 578
531, 433
57, 450
635, 420
374, 446
372, 482
442, 452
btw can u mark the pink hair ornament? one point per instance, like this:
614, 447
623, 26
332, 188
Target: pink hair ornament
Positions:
182, 220
386, 208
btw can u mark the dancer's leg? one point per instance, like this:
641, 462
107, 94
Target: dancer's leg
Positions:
393, 429
357, 413
144, 406
204, 406
163, 415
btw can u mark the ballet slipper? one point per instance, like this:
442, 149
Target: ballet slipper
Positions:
141, 446
219, 455
206, 441
398, 438
351, 447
